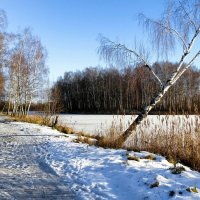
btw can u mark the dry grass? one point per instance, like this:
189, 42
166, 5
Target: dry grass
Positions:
86, 139
111, 139
192, 189
135, 158
178, 146
64, 129
35, 119
176, 137
150, 157
43, 120
48, 121
177, 170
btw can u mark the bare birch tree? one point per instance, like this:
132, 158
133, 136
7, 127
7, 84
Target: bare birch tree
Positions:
3, 23
178, 28
27, 72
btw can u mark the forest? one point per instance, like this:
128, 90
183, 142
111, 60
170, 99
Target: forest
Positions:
126, 90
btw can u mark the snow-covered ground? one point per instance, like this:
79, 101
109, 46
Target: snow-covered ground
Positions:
38, 162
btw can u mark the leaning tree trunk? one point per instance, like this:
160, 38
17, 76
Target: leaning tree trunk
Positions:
145, 111
175, 76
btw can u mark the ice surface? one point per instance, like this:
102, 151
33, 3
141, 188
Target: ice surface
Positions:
93, 124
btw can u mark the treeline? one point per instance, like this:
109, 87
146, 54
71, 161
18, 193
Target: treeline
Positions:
127, 90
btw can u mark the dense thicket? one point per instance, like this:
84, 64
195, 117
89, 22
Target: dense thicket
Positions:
98, 90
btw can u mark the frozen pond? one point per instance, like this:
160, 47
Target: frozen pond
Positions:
94, 124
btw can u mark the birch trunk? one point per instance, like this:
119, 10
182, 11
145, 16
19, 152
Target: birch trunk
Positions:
29, 105
145, 111
175, 76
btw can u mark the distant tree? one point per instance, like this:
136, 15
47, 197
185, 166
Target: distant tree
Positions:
27, 72
178, 26
3, 48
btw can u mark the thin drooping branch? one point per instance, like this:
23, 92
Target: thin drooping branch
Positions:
173, 31
3, 19
143, 60
165, 27
188, 16
111, 50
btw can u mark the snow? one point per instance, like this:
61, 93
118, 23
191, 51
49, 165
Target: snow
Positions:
95, 124
48, 164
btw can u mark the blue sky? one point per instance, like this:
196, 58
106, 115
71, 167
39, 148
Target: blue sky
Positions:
69, 28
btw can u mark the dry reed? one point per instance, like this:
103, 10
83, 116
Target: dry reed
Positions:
175, 137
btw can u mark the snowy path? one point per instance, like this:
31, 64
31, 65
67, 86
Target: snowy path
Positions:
45, 164
24, 174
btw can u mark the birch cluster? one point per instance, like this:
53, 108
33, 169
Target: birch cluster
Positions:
26, 74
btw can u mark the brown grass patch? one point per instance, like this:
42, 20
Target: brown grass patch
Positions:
150, 157
179, 144
64, 129
35, 119
192, 189
44, 120
175, 137
130, 157
177, 170
111, 137
85, 139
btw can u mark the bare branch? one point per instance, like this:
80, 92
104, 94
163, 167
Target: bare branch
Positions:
175, 74
111, 51
193, 59
179, 74
3, 19
162, 31
188, 15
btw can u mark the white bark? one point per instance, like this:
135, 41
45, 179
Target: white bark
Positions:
175, 76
